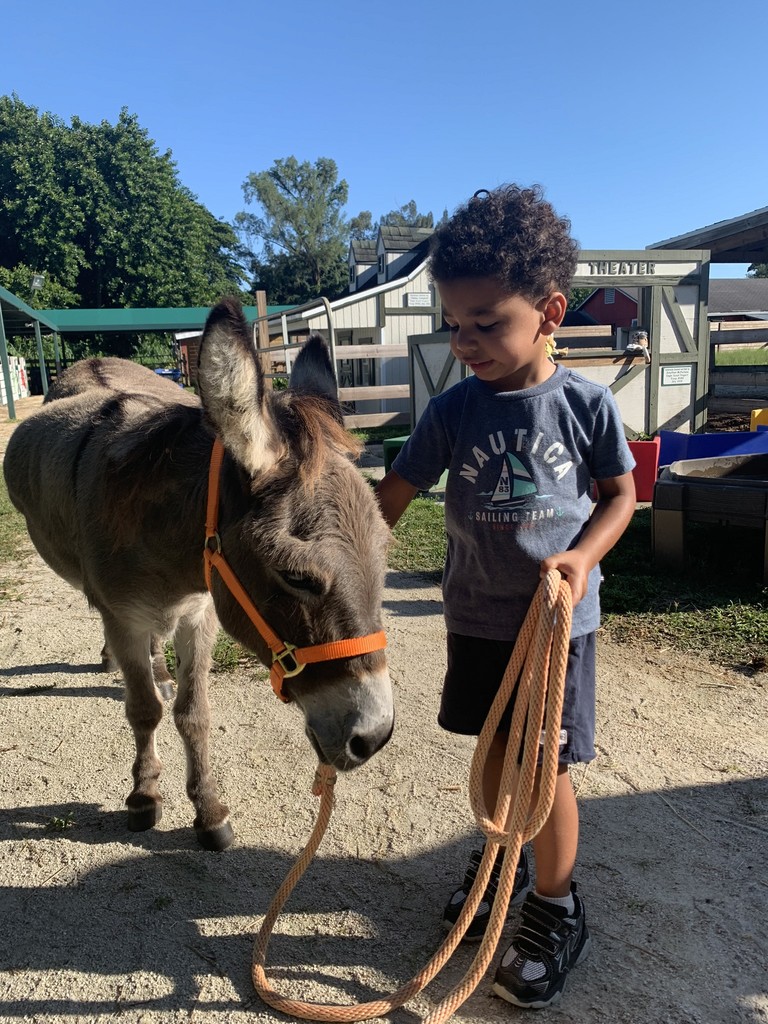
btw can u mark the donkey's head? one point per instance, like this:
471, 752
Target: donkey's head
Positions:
302, 531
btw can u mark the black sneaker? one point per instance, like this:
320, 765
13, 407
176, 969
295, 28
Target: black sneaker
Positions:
479, 922
533, 971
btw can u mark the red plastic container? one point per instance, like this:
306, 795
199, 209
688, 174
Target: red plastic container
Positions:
646, 455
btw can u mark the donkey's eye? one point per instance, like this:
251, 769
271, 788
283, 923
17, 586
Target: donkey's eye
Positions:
309, 584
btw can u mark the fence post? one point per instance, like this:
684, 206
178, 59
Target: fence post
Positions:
41, 359
265, 357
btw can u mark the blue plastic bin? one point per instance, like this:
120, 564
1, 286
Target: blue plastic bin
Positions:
675, 446
174, 375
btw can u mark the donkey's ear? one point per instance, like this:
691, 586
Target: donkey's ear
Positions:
231, 386
313, 369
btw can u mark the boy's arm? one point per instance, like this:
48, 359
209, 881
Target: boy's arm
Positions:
614, 509
394, 494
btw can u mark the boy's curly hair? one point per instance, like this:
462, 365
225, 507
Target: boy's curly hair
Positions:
511, 234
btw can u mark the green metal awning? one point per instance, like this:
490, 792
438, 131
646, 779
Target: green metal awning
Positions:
16, 317
19, 319
106, 321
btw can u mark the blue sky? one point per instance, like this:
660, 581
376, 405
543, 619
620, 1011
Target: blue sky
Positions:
641, 121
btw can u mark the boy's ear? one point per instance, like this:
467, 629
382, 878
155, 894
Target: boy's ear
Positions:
553, 310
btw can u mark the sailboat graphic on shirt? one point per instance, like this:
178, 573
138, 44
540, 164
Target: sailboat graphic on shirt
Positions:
514, 485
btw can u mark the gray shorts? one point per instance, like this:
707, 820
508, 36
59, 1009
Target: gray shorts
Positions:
475, 669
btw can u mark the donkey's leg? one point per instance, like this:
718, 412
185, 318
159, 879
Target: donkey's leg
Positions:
108, 663
163, 678
144, 709
193, 641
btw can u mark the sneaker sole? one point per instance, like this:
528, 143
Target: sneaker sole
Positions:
516, 899
541, 1004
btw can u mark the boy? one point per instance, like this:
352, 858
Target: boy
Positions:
522, 439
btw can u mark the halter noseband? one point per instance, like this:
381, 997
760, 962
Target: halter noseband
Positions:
287, 659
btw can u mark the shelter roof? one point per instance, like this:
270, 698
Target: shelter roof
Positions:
105, 321
740, 240
744, 295
19, 318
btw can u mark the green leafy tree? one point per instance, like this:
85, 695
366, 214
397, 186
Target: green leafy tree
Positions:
578, 295
758, 270
364, 226
408, 216
299, 240
104, 215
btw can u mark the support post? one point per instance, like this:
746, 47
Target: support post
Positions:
263, 335
41, 358
6, 369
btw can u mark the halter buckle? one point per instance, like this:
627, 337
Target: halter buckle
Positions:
293, 666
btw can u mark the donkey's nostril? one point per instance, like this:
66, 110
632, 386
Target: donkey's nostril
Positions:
361, 746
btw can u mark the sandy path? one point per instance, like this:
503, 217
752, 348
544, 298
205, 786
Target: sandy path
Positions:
101, 924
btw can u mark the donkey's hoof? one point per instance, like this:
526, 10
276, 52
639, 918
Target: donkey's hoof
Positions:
142, 818
165, 690
216, 839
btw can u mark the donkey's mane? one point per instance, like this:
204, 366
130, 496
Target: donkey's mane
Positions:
312, 427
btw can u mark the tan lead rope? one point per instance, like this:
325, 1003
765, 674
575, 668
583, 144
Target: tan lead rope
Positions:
539, 661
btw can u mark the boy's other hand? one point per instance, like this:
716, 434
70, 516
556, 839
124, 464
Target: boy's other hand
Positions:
575, 568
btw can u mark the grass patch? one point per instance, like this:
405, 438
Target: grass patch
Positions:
375, 435
717, 607
13, 528
227, 654
419, 544
741, 357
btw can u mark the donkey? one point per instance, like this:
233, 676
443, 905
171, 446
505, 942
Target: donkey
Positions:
113, 477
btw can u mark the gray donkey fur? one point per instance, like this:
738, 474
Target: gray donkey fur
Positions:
111, 475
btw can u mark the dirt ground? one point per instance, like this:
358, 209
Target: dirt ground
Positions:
98, 924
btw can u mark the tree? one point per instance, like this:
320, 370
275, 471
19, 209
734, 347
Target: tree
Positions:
298, 245
363, 226
105, 216
577, 296
302, 234
758, 270
408, 216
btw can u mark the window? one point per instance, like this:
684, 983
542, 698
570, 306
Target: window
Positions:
610, 296
382, 265
352, 275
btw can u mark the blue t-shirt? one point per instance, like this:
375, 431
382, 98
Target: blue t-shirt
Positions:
520, 470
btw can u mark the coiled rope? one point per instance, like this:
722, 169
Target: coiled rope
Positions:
539, 661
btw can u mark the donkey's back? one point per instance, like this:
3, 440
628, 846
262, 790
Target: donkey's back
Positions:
49, 451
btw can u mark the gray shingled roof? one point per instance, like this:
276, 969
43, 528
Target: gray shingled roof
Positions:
364, 250
401, 239
748, 295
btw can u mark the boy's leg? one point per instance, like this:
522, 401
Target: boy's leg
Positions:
555, 846
476, 929
552, 936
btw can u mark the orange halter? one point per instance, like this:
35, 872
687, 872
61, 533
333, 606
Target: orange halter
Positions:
287, 659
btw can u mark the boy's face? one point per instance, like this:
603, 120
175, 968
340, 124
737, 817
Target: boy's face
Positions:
500, 337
